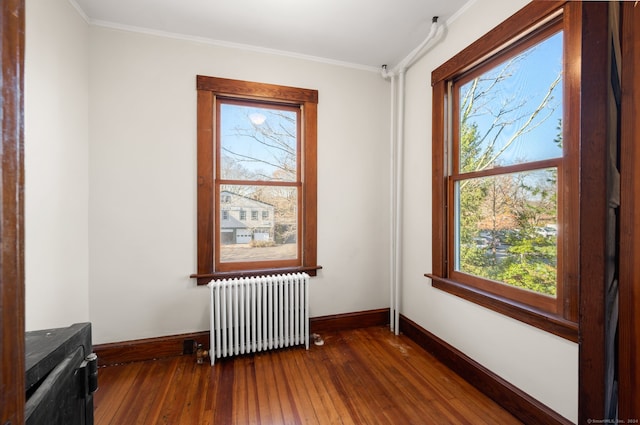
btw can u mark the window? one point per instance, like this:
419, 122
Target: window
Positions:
256, 153
504, 171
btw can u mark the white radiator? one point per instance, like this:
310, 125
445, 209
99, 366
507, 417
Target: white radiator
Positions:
258, 313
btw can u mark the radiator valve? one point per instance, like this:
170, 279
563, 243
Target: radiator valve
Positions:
201, 354
317, 339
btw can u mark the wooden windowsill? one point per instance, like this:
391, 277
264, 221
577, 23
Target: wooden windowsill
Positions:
205, 278
522, 312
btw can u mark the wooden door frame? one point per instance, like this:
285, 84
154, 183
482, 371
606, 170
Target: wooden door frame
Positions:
12, 370
593, 210
629, 331
593, 256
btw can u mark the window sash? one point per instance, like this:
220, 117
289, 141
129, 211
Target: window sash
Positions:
550, 304
544, 302
559, 315
252, 215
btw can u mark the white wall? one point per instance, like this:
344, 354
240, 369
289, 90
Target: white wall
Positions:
142, 207
56, 165
542, 365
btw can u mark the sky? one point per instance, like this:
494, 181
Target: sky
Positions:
533, 74
256, 157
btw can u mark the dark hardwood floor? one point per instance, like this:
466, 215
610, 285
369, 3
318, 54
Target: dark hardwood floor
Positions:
364, 376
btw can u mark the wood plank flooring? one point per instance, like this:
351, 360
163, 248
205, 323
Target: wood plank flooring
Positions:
364, 376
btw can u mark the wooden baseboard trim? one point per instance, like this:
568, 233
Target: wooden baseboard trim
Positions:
343, 322
517, 402
149, 349
174, 345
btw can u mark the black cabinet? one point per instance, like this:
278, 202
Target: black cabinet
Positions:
61, 376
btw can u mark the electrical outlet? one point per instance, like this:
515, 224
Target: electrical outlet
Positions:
188, 346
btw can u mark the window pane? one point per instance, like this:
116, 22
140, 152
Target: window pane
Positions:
505, 229
512, 113
258, 143
258, 223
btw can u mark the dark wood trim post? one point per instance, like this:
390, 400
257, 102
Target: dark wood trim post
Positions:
12, 370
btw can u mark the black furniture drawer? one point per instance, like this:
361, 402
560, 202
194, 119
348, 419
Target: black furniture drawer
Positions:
61, 376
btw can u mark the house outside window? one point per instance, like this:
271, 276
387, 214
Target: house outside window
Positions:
236, 230
257, 153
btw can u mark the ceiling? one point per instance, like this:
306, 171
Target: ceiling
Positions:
367, 33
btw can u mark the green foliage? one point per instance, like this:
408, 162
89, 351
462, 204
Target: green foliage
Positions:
471, 198
519, 256
558, 139
530, 263
470, 147
533, 263
537, 277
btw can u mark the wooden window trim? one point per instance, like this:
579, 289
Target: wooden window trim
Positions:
562, 317
12, 274
208, 88
519, 311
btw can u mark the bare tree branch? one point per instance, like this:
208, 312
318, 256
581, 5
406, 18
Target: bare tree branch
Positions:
527, 125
